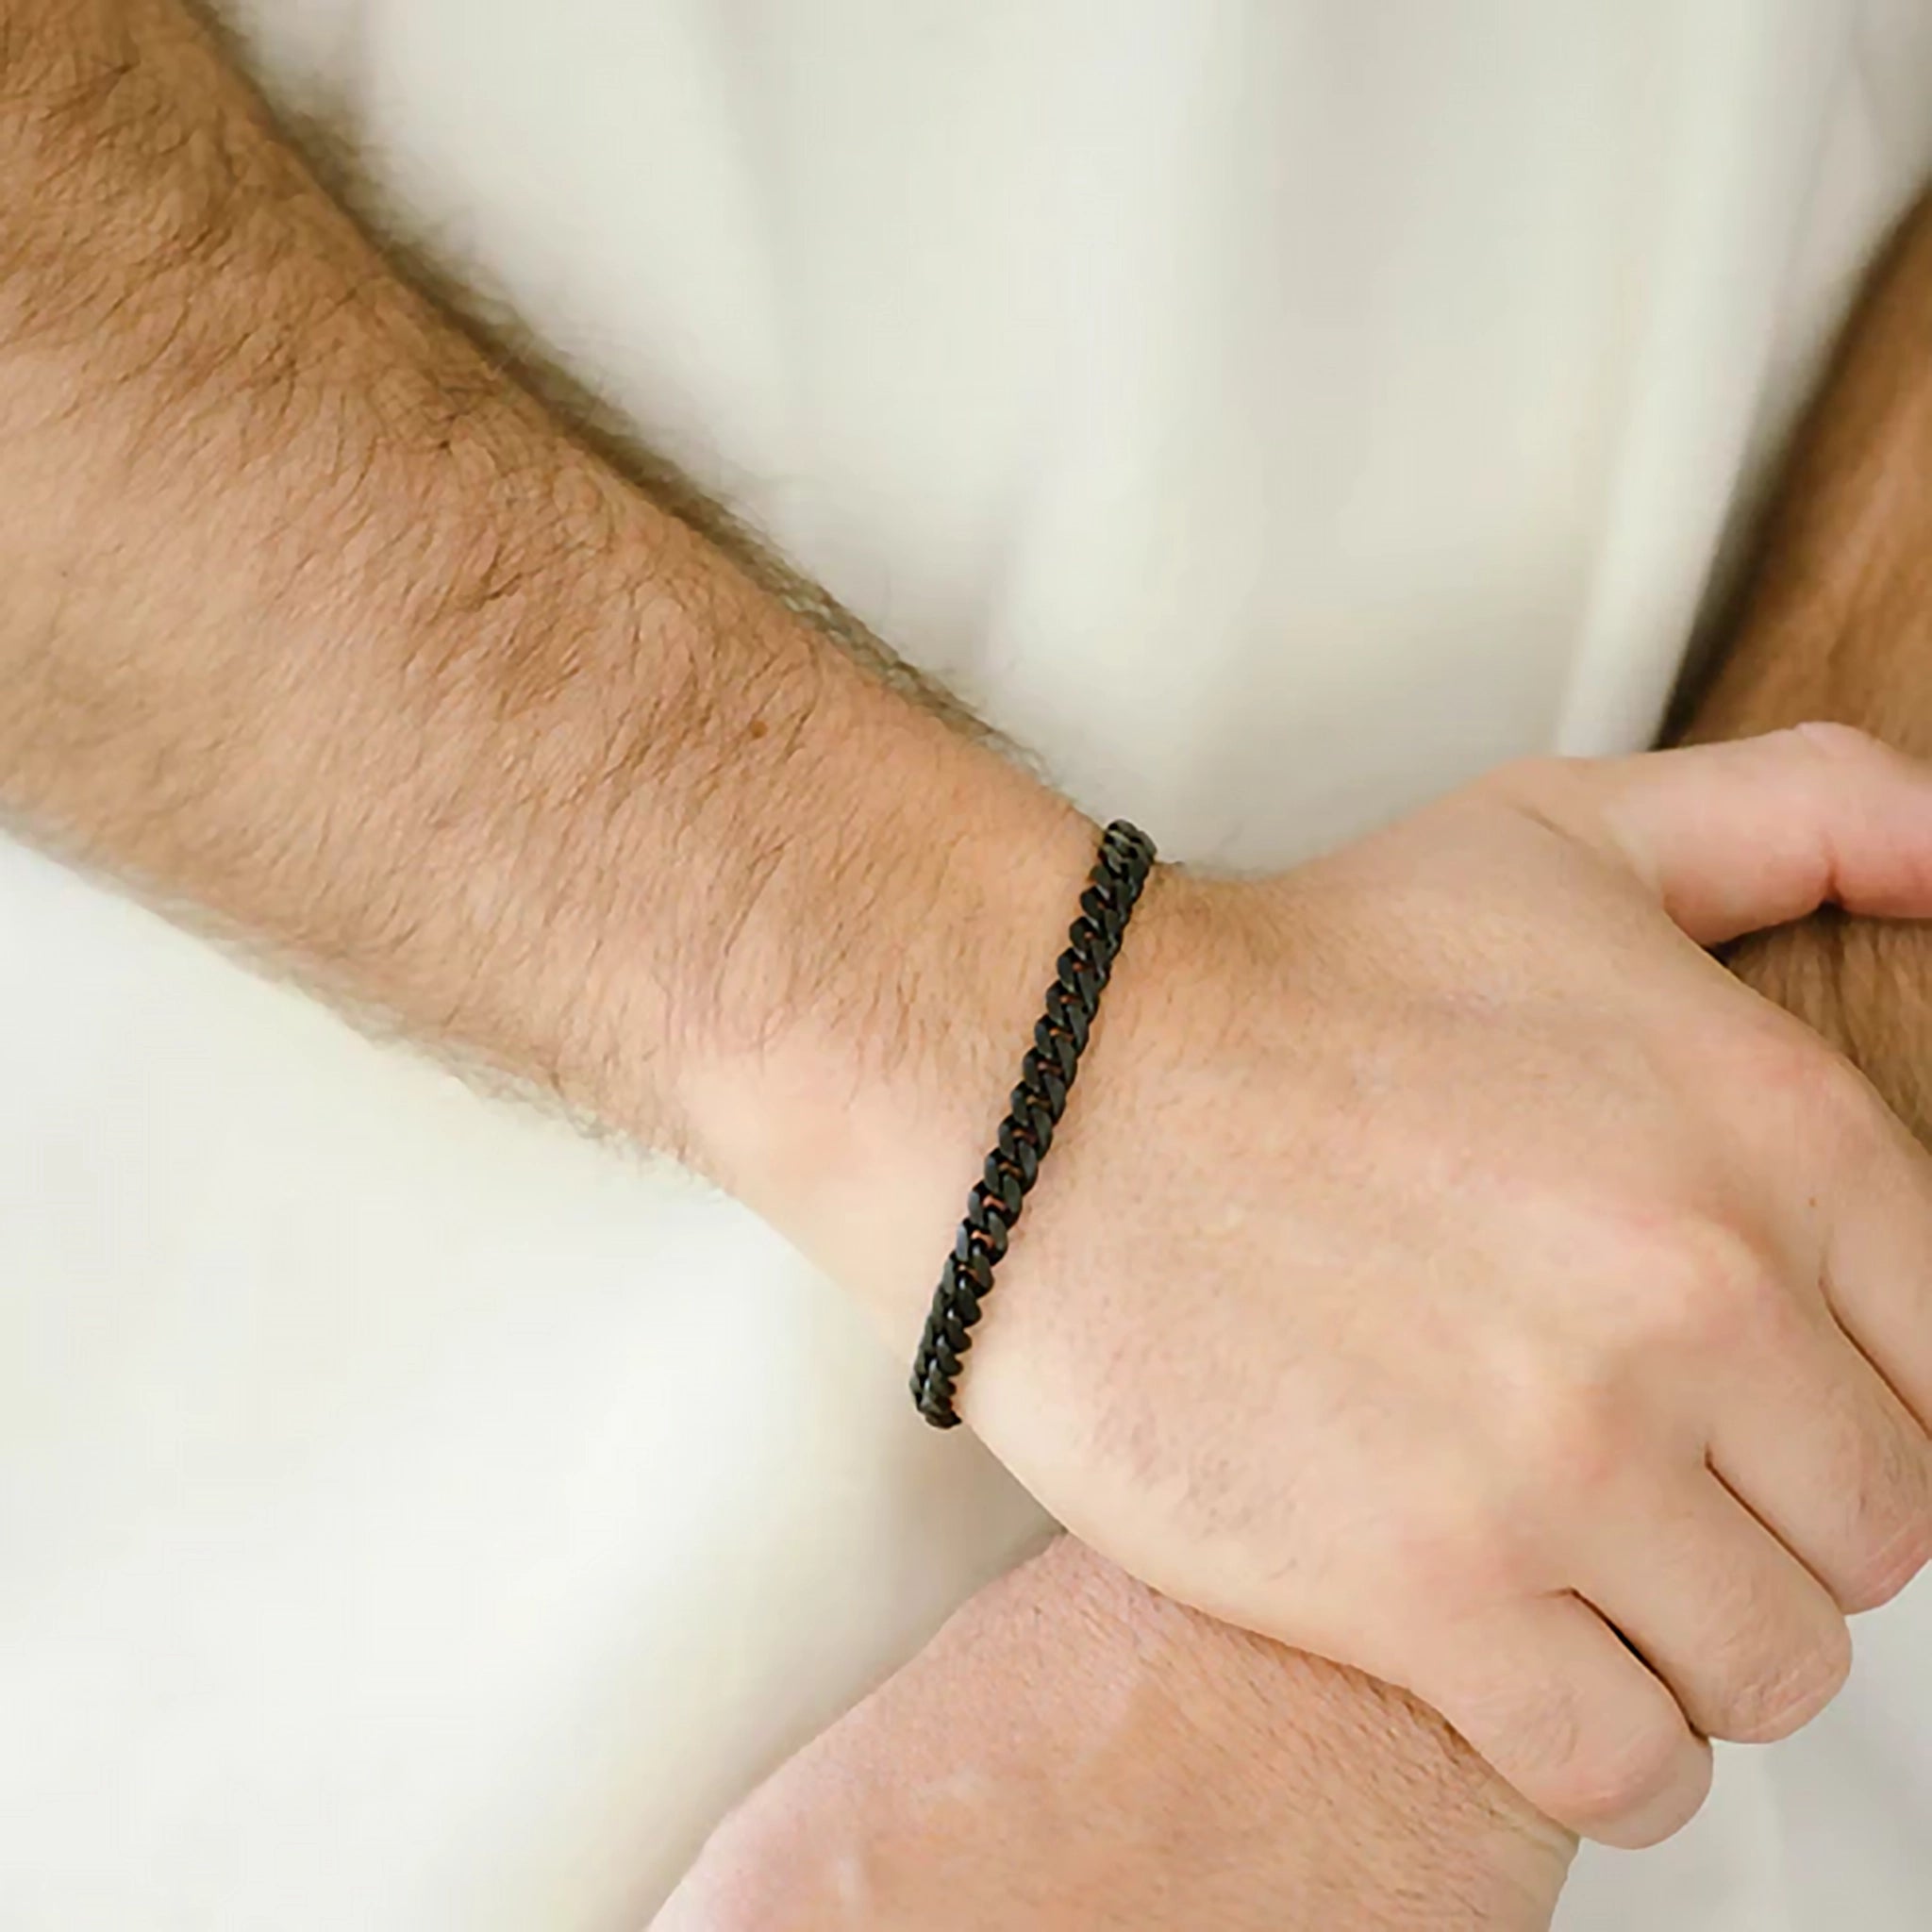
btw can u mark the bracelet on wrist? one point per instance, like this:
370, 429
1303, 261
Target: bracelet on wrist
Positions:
1046, 1078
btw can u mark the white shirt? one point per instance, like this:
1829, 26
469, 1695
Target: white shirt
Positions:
1270, 412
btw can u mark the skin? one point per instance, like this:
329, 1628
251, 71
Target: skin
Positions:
1830, 621
319, 623
1834, 620
1073, 1752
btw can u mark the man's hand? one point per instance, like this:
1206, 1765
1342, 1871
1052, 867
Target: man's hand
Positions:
1448, 1268
1442, 1262
1072, 1754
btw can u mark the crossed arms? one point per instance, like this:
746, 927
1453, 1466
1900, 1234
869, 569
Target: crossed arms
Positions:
1254, 1790
317, 623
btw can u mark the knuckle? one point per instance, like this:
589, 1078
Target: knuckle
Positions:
1810, 1081
1458, 1552
1606, 1779
1880, 1469
1847, 1102
1887, 1563
1828, 1080
1787, 1692
1559, 1436
1584, 1441
1715, 1288
1547, 1733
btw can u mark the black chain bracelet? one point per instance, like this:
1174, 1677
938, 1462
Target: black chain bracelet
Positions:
1046, 1078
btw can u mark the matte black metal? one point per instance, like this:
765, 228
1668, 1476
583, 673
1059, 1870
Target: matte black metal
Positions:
1046, 1078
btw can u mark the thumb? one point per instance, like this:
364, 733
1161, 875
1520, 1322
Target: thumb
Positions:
1736, 837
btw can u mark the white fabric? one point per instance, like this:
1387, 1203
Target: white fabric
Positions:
1274, 412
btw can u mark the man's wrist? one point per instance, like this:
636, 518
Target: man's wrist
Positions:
1072, 1746
850, 1072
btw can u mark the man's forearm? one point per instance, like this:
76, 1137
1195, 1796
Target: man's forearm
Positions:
1073, 1752
1835, 621
312, 619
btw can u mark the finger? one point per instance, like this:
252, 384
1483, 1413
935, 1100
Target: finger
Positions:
1733, 837
1826, 1438
1822, 1450
1877, 1273
1747, 1639
1548, 1693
